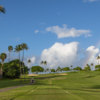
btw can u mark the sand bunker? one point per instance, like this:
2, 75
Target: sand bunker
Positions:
33, 75
62, 74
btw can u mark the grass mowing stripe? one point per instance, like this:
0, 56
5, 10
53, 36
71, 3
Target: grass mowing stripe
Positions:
33, 90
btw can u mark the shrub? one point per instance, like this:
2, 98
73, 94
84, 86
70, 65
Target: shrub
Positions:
66, 69
37, 69
78, 68
53, 70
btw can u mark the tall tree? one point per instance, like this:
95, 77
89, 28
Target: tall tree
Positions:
92, 65
2, 9
24, 47
29, 62
71, 67
44, 63
10, 49
18, 49
3, 56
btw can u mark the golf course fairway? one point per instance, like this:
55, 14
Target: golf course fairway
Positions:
71, 86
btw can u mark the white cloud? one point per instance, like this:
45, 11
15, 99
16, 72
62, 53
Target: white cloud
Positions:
90, 0
64, 31
89, 56
36, 31
68, 54
60, 54
92, 53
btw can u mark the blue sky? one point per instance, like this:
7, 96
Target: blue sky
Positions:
27, 21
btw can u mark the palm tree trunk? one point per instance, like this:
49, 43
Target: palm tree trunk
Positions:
9, 56
23, 65
1, 71
23, 56
19, 63
19, 56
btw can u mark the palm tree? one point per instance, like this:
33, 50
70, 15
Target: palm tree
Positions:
92, 64
29, 61
71, 67
98, 58
2, 9
24, 47
18, 48
3, 56
44, 63
10, 49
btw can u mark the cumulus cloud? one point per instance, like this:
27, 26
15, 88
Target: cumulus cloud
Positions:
89, 56
64, 31
92, 53
90, 0
68, 54
61, 54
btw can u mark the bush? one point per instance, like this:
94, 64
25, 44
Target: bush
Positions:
77, 68
66, 69
53, 70
37, 69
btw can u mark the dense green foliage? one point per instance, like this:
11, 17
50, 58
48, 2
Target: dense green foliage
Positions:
12, 69
37, 69
53, 70
77, 68
66, 69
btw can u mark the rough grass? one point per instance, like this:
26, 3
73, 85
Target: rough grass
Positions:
73, 86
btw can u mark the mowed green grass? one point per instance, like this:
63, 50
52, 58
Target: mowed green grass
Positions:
15, 82
74, 86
